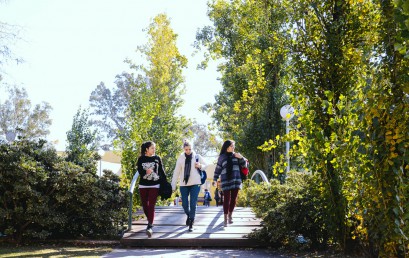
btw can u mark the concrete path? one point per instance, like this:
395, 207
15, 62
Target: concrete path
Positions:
196, 253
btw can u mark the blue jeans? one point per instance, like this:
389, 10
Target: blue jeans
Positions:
193, 191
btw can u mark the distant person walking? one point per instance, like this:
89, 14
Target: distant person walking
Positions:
228, 169
151, 173
187, 175
207, 198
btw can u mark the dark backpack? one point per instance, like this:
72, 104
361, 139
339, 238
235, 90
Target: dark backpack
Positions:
203, 174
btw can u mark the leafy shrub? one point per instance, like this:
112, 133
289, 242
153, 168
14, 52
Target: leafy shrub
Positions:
288, 210
41, 195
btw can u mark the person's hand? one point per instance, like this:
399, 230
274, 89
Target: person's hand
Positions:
213, 183
197, 165
238, 155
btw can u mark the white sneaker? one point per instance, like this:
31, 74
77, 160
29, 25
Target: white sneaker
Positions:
149, 232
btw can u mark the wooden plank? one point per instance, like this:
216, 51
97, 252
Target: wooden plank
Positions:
170, 229
176, 216
197, 229
205, 222
181, 235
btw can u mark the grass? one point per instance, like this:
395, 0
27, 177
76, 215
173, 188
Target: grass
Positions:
53, 251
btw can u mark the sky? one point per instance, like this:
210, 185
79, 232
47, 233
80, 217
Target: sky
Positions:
70, 46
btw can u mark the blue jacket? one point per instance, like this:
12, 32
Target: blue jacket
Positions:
207, 196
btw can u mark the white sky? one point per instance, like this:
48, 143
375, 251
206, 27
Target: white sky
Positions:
70, 46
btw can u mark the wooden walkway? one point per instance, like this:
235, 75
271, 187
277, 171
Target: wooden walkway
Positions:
170, 229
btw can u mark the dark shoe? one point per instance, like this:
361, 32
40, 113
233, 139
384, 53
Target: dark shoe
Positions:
191, 221
230, 218
187, 221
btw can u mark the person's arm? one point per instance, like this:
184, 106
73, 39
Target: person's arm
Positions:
203, 163
142, 172
243, 162
218, 170
176, 174
241, 159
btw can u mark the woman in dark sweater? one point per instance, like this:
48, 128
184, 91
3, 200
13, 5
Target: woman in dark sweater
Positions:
151, 173
228, 169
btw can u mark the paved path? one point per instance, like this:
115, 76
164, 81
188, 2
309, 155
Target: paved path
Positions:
184, 253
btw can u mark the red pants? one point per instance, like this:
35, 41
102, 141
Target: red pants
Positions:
148, 199
230, 198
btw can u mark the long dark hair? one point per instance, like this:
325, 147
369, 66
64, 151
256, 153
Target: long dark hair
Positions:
226, 145
145, 146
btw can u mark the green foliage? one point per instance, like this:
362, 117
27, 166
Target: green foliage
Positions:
18, 116
332, 56
43, 196
205, 142
90, 205
155, 99
82, 146
251, 38
108, 107
289, 210
383, 205
344, 65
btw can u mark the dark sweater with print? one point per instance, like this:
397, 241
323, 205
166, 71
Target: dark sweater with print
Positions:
158, 174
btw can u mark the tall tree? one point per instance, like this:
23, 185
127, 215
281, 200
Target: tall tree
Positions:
384, 205
205, 142
347, 71
331, 57
250, 36
82, 146
155, 99
17, 116
9, 34
108, 108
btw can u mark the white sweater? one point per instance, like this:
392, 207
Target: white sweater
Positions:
178, 173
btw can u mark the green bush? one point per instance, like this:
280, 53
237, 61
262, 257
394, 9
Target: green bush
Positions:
288, 210
41, 195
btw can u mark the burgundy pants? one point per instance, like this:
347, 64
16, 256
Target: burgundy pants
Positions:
230, 198
148, 199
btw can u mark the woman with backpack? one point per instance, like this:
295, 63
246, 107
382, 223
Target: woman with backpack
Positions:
187, 174
228, 169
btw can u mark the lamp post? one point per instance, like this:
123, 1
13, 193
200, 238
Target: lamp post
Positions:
100, 153
287, 112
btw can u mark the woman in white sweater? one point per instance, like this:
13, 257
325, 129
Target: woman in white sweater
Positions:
188, 176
